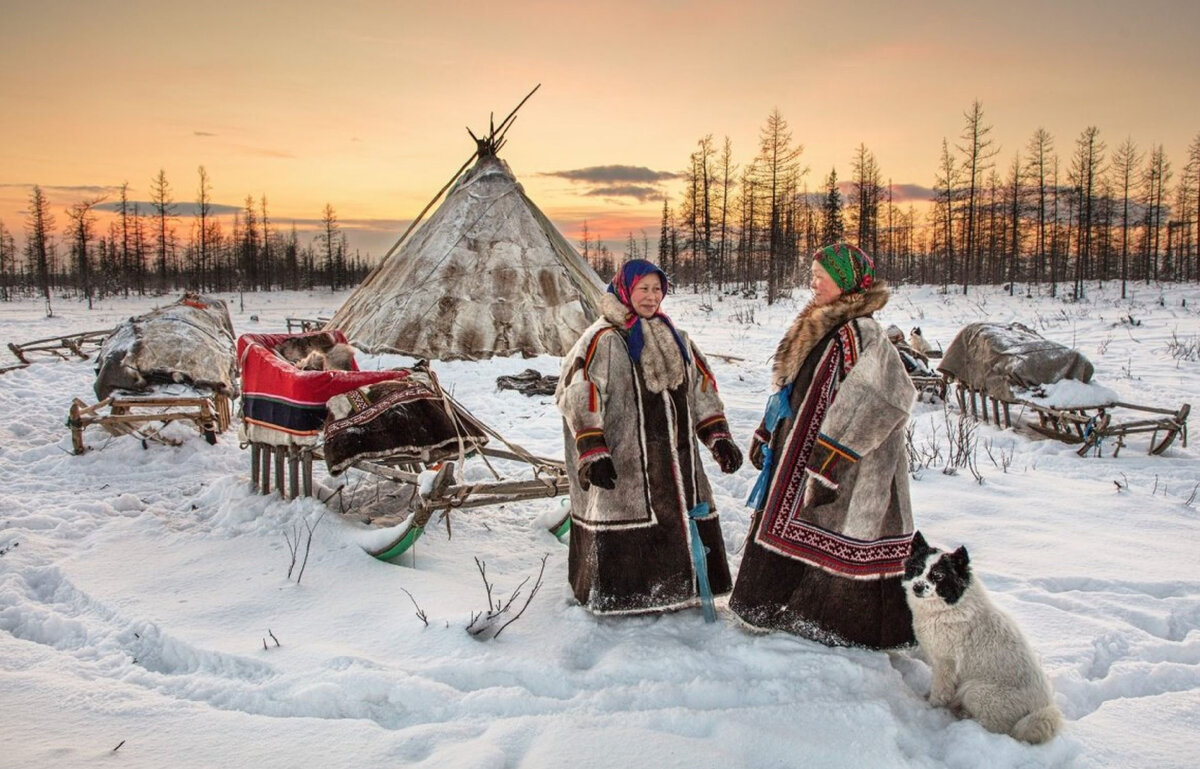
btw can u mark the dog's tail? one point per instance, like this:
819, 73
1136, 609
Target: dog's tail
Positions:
1039, 726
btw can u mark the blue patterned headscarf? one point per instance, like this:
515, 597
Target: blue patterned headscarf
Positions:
622, 288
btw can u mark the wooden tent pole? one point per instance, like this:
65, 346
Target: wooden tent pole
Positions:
457, 174
506, 122
429, 205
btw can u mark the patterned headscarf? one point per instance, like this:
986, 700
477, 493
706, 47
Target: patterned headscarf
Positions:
622, 288
849, 266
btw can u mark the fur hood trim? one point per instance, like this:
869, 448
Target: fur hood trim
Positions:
662, 361
614, 312
814, 322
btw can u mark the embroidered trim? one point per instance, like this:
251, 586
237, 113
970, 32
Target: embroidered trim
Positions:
591, 351
849, 346
713, 429
593, 454
839, 554
829, 458
590, 443
706, 375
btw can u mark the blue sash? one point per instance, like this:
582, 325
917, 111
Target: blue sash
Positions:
699, 551
779, 408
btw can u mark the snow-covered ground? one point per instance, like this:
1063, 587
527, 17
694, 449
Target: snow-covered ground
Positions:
145, 606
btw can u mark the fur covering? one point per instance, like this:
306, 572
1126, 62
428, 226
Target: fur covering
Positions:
662, 363
188, 342
814, 323
826, 547
317, 352
401, 420
630, 549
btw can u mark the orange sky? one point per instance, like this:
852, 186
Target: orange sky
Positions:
363, 104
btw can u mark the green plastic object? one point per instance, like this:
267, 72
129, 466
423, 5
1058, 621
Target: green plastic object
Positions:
406, 540
563, 527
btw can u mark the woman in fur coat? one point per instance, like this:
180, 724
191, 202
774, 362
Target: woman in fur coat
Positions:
635, 395
832, 523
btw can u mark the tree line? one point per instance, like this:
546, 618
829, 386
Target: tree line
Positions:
142, 252
1046, 221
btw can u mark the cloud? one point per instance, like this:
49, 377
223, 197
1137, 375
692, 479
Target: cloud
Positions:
203, 133
901, 193
904, 193
181, 208
615, 174
87, 190
641, 194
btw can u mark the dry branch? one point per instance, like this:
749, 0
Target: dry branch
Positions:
489, 624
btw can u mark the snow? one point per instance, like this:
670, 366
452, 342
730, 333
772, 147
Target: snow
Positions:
144, 598
1069, 394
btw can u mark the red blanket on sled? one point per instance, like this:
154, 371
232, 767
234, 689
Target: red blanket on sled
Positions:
283, 405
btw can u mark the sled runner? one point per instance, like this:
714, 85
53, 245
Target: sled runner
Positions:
396, 425
997, 368
79, 345
173, 364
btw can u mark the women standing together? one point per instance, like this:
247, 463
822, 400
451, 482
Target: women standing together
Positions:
832, 523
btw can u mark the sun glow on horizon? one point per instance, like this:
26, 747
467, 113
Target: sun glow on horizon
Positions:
366, 111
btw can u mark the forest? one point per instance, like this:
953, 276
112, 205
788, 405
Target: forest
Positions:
1042, 219
1045, 218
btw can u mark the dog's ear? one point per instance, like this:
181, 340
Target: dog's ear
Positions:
961, 561
919, 545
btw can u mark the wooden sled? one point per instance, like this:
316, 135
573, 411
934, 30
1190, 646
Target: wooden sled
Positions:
1090, 427
286, 435
449, 492
288, 471
931, 388
145, 416
79, 346
304, 325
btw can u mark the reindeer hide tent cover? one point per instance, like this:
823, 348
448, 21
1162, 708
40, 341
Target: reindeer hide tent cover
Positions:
487, 275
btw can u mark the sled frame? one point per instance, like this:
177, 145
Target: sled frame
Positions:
289, 468
78, 346
144, 416
305, 325
1090, 427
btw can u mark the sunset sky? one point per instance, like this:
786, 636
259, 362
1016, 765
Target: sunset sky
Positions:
363, 105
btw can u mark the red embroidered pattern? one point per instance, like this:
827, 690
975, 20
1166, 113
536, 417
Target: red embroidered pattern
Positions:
783, 529
363, 410
787, 487
849, 341
846, 555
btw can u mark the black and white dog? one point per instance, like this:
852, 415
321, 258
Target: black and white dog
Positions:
983, 667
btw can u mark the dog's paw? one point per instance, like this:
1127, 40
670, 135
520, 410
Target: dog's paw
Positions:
940, 697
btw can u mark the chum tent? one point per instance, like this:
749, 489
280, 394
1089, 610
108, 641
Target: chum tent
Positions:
486, 275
